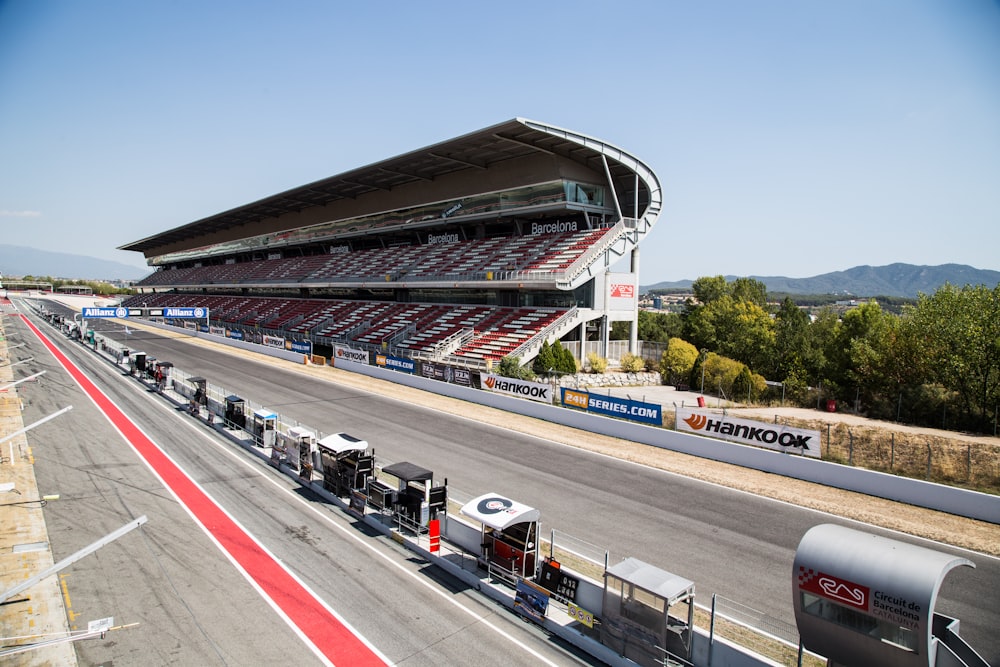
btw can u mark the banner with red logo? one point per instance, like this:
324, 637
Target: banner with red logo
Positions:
747, 432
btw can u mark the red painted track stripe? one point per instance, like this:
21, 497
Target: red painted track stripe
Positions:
327, 633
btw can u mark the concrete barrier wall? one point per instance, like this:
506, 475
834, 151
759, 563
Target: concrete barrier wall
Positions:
963, 502
279, 353
469, 538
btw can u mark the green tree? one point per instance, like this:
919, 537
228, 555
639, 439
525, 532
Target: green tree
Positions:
960, 330
824, 333
721, 373
544, 361
709, 288
749, 290
861, 327
678, 361
793, 349
748, 386
745, 331
568, 364
553, 358
651, 326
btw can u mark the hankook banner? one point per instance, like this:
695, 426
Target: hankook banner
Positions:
536, 391
350, 354
747, 432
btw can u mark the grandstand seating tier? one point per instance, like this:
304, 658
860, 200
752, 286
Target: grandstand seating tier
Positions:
494, 331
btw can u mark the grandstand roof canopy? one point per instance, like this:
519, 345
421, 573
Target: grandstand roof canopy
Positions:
478, 150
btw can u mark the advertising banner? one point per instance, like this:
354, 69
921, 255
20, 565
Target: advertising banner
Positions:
536, 391
395, 363
462, 376
217, 331
273, 341
622, 291
96, 313
435, 371
747, 432
186, 313
350, 354
235, 334
300, 346
531, 601
611, 406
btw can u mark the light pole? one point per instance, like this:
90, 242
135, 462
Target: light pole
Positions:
704, 356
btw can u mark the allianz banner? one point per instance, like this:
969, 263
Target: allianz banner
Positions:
647, 413
747, 432
536, 391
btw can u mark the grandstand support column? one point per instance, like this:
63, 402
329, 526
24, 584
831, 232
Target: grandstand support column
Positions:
633, 327
605, 335
611, 185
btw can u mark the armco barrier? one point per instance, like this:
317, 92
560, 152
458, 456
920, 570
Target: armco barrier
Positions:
963, 502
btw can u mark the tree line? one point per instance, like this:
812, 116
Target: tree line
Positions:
935, 362
97, 286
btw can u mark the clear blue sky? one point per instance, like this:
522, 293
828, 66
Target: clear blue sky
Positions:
792, 137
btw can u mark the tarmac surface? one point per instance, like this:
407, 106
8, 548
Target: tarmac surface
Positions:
37, 614
665, 396
172, 595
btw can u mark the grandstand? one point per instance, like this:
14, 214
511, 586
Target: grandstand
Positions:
462, 252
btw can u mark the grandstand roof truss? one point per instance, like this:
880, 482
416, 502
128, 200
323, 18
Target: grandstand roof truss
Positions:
517, 138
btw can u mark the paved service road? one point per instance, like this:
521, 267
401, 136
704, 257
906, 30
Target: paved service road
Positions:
731, 543
192, 605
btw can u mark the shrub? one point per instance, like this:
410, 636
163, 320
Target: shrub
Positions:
568, 362
631, 363
511, 367
597, 363
678, 361
545, 360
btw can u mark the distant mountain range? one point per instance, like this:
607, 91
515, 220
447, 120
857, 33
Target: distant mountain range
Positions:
23, 261
901, 280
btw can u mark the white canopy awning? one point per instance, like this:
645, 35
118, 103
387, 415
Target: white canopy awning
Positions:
669, 586
342, 442
300, 433
497, 512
